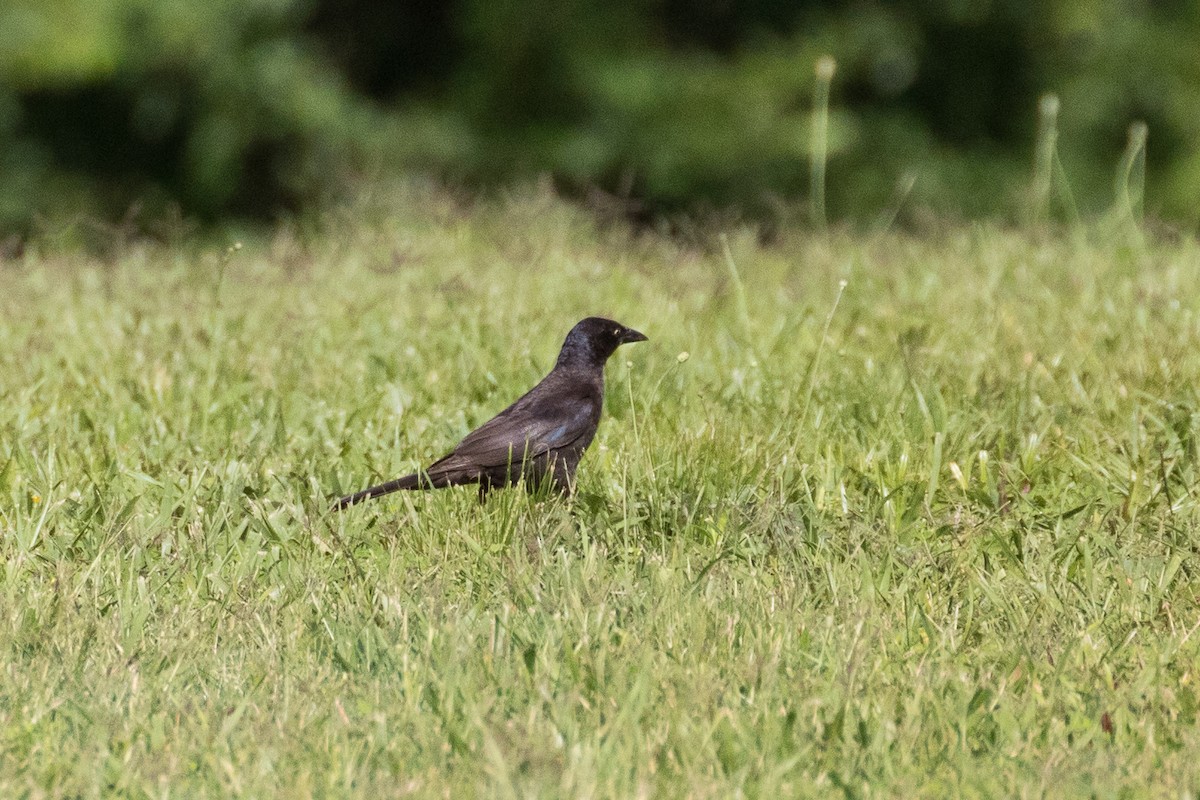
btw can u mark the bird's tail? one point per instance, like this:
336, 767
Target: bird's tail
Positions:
415, 481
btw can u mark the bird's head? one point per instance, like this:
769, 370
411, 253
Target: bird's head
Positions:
593, 340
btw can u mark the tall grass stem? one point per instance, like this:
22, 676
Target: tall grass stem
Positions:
1045, 155
825, 68
812, 373
1131, 174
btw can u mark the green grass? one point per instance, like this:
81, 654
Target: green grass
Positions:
947, 548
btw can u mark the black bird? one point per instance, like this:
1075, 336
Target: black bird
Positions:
540, 437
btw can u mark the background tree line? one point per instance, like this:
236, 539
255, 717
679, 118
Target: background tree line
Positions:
249, 107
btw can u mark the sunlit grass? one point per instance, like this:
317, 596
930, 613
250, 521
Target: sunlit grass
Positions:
955, 555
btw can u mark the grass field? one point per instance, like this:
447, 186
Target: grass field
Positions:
934, 534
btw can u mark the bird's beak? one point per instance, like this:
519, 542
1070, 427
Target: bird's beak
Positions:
630, 335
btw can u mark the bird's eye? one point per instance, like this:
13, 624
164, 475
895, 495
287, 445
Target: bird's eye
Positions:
616, 331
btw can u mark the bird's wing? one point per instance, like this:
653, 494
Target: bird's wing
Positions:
528, 428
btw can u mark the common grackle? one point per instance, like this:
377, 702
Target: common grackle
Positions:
540, 437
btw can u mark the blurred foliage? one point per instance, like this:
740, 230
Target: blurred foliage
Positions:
250, 107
